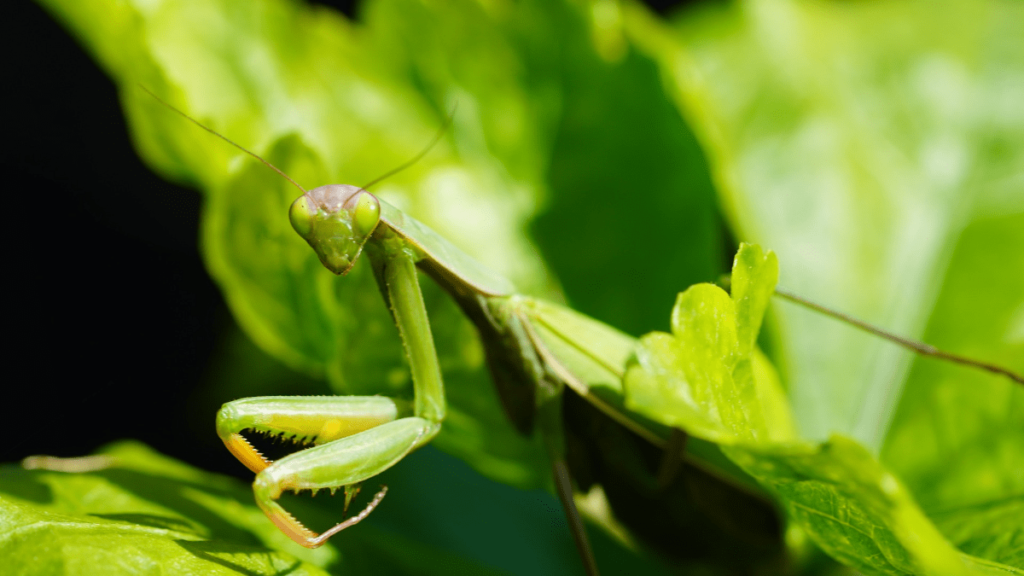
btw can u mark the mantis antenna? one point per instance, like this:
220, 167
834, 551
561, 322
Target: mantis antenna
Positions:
224, 138
912, 345
918, 347
388, 174
418, 157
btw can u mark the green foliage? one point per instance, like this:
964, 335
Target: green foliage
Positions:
958, 435
145, 512
991, 530
860, 141
368, 104
699, 379
330, 101
876, 147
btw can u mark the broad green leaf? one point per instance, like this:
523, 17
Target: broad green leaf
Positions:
958, 435
140, 512
859, 140
992, 530
700, 380
853, 508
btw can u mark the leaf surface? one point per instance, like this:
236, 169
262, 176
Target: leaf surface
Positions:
143, 512
700, 379
859, 141
874, 147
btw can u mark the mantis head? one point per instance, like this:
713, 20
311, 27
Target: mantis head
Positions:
336, 220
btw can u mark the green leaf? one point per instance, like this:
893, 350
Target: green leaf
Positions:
854, 509
958, 435
138, 511
754, 276
859, 140
874, 147
992, 530
702, 377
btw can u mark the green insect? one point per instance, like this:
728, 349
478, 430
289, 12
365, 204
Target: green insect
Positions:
534, 349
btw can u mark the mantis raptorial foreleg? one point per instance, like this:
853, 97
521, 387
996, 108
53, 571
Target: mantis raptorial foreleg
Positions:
356, 437
315, 420
337, 464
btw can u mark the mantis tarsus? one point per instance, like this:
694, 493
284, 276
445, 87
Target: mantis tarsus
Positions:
534, 350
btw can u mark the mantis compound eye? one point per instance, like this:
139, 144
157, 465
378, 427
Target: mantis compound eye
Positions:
301, 216
367, 214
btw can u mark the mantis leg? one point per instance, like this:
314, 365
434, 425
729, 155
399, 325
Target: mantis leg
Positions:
551, 426
356, 437
340, 463
308, 420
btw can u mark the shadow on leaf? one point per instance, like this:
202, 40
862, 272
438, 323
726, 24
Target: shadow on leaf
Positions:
223, 553
24, 484
171, 494
152, 520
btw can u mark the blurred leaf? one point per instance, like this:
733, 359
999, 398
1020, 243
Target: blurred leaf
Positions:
145, 512
858, 140
877, 148
992, 530
958, 436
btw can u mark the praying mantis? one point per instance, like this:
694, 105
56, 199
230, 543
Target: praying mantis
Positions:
534, 349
